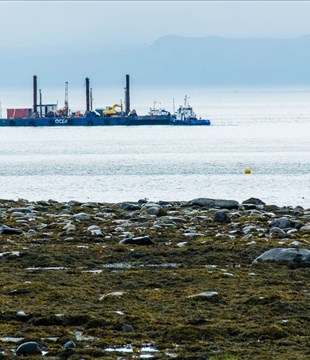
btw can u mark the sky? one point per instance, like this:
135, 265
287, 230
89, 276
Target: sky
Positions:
78, 25
32, 31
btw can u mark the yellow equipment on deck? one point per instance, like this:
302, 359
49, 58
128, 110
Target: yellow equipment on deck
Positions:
111, 110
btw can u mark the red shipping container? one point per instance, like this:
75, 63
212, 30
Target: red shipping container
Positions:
18, 113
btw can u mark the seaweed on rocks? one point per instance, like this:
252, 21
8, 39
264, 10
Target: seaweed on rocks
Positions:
181, 281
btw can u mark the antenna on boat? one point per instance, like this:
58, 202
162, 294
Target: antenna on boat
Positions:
66, 109
173, 105
186, 101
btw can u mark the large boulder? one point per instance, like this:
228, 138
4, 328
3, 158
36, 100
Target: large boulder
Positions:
293, 256
214, 203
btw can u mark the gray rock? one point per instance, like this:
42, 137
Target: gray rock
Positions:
142, 201
70, 228
217, 203
277, 232
305, 229
154, 209
94, 230
202, 217
296, 243
292, 231
21, 314
17, 214
127, 328
164, 203
174, 219
66, 212
190, 230
253, 201
69, 344
28, 348
182, 244
74, 203
292, 256
165, 223
127, 235
221, 217
90, 204
22, 210
143, 224
141, 240
81, 217
250, 206
282, 223
269, 214
296, 224
129, 206
249, 228
204, 294
6, 230
256, 213
193, 234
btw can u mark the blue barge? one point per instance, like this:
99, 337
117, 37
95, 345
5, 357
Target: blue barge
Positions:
99, 117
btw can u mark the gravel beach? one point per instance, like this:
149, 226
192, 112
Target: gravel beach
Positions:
199, 279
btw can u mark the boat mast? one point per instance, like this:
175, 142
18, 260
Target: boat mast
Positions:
127, 96
91, 99
66, 112
35, 96
87, 94
40, 94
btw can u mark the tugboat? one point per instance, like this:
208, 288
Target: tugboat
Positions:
158, 111
156, 116
185, 115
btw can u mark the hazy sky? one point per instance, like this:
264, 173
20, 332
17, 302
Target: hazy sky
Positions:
80, 24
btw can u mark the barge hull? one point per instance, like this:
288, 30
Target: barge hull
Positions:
96, 121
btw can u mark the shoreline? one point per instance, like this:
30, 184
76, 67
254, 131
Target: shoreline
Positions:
154, 200
193, 279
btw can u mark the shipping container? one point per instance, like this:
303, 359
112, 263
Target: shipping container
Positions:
19, 113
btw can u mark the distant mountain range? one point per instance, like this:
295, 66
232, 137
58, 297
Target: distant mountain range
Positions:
171, 61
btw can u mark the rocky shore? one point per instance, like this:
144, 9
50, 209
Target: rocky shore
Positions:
200, 279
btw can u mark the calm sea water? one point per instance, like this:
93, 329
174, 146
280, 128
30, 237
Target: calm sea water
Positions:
266, 131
